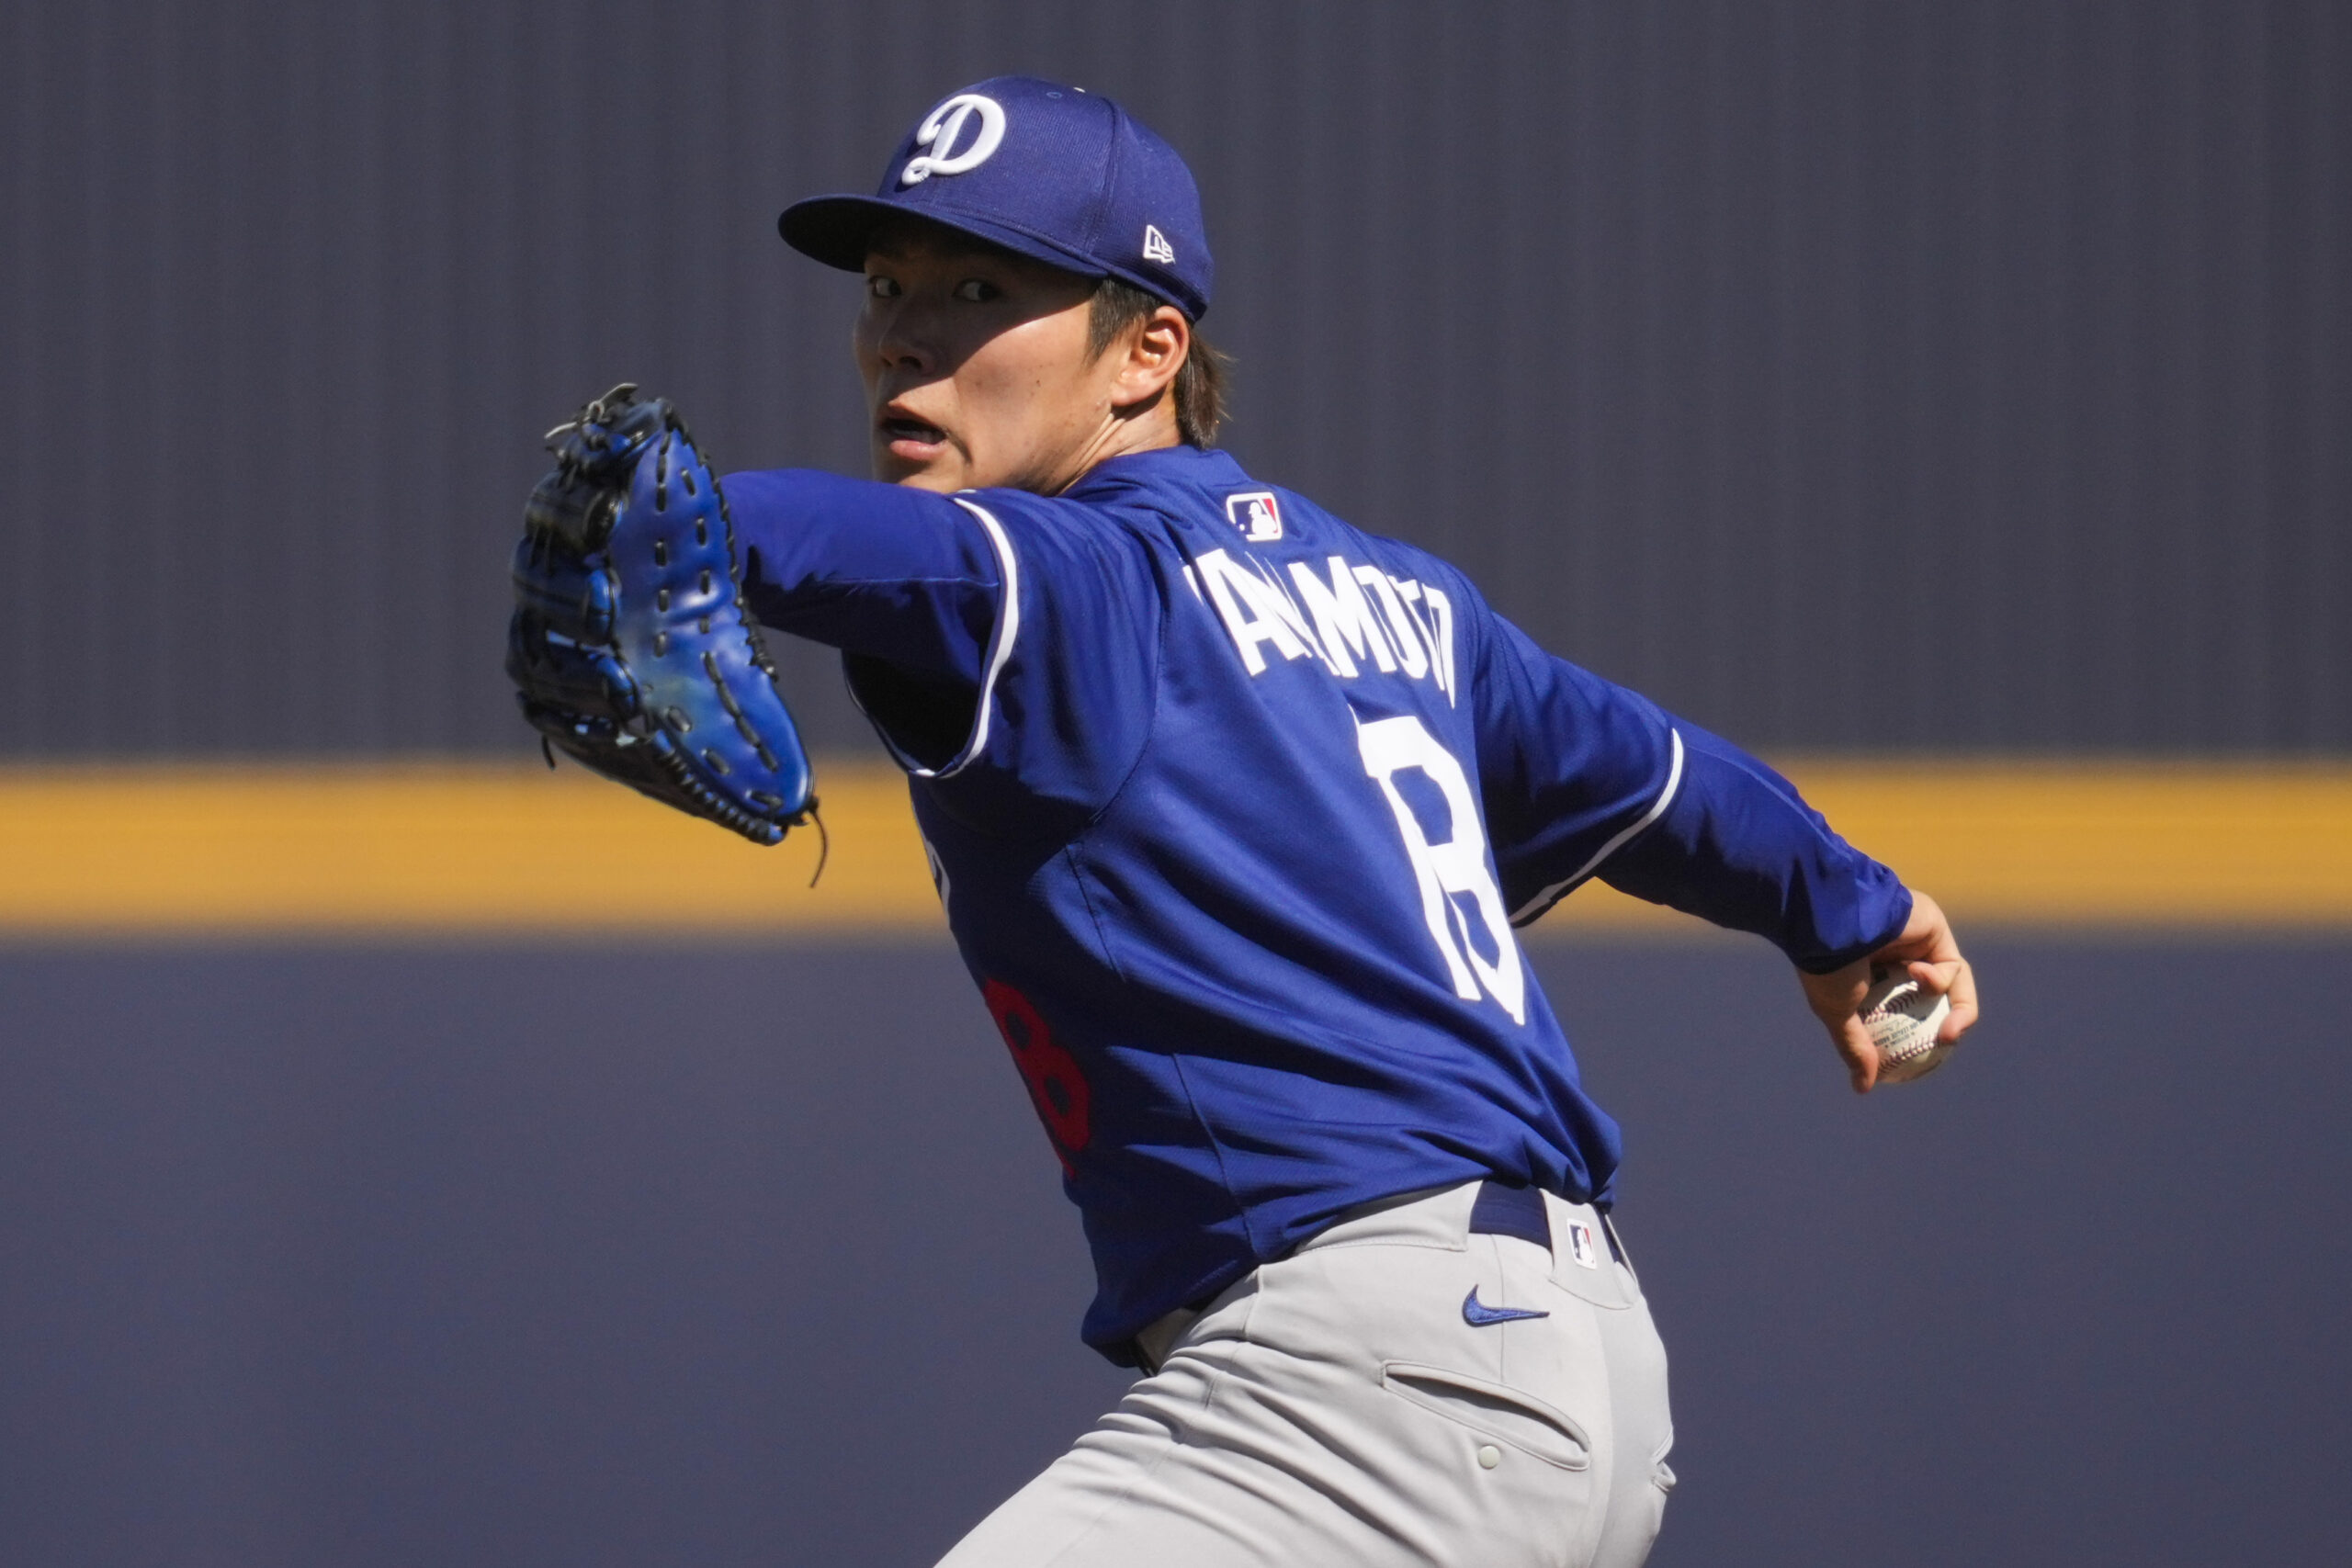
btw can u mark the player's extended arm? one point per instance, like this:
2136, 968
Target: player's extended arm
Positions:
887, 571
909, 584
947, 609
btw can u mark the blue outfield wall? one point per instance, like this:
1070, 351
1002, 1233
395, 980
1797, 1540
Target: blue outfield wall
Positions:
597, 1257
1735, 350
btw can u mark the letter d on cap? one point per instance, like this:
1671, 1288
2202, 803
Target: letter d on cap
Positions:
939, 131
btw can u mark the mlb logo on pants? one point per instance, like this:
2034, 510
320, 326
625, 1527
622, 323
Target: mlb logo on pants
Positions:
1580, 1246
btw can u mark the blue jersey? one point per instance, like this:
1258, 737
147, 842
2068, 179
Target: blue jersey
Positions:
1233, 809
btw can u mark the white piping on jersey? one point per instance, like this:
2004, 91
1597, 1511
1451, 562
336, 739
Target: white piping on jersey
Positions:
1007, 627
1553, 894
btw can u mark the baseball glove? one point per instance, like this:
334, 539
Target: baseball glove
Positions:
629, 648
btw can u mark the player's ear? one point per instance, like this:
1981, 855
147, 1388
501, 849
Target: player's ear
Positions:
1153, 352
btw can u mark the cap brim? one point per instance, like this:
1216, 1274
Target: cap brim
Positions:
839, 230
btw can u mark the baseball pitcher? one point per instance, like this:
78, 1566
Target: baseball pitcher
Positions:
1234, 810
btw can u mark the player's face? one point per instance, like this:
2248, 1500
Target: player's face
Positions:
976, 370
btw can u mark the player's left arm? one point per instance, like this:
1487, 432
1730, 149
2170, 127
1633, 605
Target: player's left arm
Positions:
1005, 640
880, 571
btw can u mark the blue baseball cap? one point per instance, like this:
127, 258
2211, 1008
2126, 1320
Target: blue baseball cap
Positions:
1047, 171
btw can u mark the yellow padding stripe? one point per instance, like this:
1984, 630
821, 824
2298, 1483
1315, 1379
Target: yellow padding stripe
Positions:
435, 848
470, 848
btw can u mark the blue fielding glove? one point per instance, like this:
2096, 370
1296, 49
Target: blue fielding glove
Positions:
629, 648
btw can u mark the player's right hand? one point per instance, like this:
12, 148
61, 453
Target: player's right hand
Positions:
1929, 953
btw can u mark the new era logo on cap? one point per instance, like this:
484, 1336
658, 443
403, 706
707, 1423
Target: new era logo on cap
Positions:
1053, 173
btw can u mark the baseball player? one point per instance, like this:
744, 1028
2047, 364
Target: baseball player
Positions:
1233, 809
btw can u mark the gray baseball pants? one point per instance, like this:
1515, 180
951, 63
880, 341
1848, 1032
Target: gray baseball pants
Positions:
1352, 1405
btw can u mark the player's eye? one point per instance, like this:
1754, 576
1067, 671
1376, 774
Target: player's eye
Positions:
882, 288
977, 291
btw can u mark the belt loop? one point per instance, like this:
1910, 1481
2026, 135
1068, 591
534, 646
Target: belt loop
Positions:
1160, 1335
1609, 1229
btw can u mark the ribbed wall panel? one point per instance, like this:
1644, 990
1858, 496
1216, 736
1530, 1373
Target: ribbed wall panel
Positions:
1886, 373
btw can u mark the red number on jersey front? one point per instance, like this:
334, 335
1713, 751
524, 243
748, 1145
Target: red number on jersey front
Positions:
1056, 1085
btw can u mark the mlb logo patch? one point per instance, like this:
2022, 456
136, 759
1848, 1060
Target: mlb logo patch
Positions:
1580, 1246
1257, 514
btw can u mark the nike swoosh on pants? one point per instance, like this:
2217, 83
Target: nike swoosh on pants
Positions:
1477, 1314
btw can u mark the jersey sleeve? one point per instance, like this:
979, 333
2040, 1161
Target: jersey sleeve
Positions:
1583, 778
1003, 641
1070, 692
900, 575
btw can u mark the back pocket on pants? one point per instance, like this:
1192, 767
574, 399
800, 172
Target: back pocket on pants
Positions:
1503, 1414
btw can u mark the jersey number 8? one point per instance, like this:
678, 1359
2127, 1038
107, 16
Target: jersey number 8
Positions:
1459, 898
1057, 1087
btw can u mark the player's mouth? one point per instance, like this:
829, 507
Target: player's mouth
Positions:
909, 437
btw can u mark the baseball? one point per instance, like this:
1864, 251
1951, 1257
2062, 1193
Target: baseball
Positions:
1903, 1017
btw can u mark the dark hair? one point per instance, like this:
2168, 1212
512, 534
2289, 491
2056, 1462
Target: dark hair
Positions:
1199, 390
